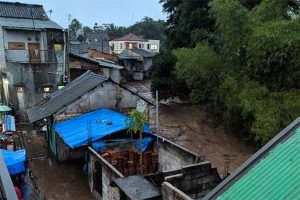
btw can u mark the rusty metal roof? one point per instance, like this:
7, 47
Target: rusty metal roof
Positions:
66, 95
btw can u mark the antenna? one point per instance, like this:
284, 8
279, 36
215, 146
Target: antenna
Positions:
69, 20
50, 12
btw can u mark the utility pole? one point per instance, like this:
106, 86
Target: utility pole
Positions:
156, 113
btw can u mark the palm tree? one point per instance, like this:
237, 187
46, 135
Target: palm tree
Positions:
135, 123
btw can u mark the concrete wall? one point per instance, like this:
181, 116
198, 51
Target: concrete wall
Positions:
172, 156
2, 64
108, 174
169, 192
101, 97
18, 72
194, 180
147, 63
65, 152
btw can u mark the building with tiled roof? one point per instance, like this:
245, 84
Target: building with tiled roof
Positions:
132, 41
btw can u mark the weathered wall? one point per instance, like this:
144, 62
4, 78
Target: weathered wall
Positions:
2, 63
101, 97
147, 63
169, 192
31, 77
64, 152
108, 174
172, 156
195, 181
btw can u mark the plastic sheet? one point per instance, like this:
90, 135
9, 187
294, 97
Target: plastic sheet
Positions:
91, 126
14, 160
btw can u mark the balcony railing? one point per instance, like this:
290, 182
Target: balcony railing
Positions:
34, 57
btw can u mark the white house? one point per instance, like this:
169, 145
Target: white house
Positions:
132, 41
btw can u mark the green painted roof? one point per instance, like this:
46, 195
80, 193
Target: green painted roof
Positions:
274, 177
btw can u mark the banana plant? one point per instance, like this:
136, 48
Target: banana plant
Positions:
135, 123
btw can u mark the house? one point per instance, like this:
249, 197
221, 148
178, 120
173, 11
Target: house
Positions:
169, 170
89, 92
137, 62
96, 41
271, 173
32, 55
132, 41
80, 64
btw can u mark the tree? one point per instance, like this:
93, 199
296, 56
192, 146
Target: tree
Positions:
246, 71
200, 67
74, 27
164, 79
184, 18
135, 124
149, 28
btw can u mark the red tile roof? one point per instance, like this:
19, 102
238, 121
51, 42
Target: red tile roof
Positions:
130, 37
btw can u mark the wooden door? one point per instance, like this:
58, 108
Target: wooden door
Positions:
34, 52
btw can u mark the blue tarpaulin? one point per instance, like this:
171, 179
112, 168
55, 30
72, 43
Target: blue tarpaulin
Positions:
101, 145
94, 125
14, 160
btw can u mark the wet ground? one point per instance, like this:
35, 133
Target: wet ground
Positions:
55, 180
187, 126
192, 128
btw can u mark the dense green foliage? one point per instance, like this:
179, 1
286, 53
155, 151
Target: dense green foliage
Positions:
246, 68
188, 21
164, 79
147, 28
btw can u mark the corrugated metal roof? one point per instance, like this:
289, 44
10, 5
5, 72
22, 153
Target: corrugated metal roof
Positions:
66, 95
101, 62
28, 23
22, 10
143, 52
275, 176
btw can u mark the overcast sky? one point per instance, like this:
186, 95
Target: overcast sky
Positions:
119, 12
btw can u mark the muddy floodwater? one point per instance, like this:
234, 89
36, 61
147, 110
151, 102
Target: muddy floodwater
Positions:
190, 127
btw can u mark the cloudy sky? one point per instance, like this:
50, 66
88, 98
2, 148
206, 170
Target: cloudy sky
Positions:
119, 12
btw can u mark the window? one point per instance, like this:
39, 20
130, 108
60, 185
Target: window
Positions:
20, 89
46, 89
153, 47
121, 46
148, 46
16, 45
57, 47
60, 87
